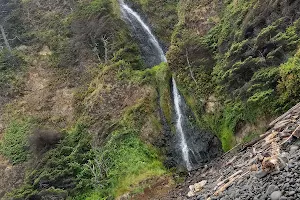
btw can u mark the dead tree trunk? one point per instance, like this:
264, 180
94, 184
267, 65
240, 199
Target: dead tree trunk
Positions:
5, 38
189, 64
105, 44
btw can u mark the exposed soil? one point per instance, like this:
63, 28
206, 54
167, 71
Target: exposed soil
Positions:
157, 188
10, 176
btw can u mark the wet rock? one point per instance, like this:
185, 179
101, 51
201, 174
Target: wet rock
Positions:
276, 195
283, 198
291, 193
286, 185
293, 149
261, 174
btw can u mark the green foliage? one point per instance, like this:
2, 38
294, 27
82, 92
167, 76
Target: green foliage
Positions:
289, 85
122, 163
124, 160
158, 76
127, 51
163, 78
14, 144
243, 69
61, 168
11, 73
93, 7
224, 123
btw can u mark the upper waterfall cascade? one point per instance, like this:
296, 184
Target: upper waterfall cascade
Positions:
152, 52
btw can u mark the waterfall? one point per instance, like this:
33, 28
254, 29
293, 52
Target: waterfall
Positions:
151, 49
179, 129
154, 55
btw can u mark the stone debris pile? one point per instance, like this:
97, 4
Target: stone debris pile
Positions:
266, 168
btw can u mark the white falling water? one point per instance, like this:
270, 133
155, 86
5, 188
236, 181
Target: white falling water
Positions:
133, 17
128, 13
179, 129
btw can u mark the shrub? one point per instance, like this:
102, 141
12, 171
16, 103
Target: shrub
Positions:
123, 163
14, 145
61, 171
43, 139
288, 86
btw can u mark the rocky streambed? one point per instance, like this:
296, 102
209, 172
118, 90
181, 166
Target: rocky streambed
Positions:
267, 168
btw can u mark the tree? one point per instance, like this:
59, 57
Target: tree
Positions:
6, 14
5, 38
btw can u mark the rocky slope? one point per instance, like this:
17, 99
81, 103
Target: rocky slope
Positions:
267, 168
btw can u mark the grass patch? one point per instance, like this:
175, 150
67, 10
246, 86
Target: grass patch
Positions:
122, 164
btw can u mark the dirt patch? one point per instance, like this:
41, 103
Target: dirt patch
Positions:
108, 100
63, 109
202, 18
10, 176
244, 129
157, 188
46, 97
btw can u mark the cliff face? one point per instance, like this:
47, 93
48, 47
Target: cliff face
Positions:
236, 57
75, 93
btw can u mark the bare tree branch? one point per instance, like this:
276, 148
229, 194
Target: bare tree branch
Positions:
105, 43
190, 67
5, 38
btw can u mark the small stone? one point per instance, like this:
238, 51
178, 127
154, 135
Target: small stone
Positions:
282, 162
291, 193
261, 174
198, 186
200, 198
293, 149
290, 175
284, 134
283, 198
191, 194
276, 195
271, 189
253, 168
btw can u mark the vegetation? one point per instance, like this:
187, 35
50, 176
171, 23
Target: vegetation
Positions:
122, 164
246, 70
61, 171
235, 62
14, 144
